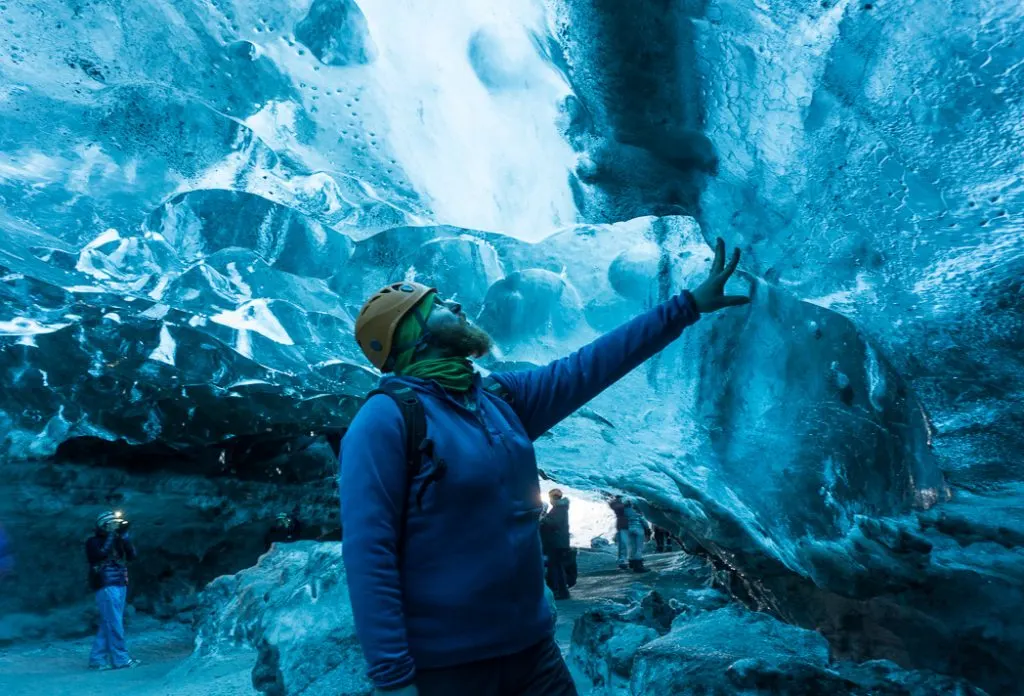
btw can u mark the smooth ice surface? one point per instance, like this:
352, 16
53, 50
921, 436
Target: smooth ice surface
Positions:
195, 197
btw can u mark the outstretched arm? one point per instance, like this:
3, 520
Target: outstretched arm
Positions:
373, 492
545, 396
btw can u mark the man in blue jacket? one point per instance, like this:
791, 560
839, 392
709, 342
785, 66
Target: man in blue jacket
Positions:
108, 552
445, 572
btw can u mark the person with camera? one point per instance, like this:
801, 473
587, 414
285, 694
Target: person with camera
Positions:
109, 550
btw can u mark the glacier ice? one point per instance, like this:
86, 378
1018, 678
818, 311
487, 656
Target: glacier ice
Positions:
196, 197
865, 157
299, 623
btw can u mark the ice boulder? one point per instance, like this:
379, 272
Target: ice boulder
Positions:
732, 651
718, 650
293, 607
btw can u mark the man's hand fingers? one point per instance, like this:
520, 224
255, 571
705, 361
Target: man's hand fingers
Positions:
719, 262
733, 263
734, 300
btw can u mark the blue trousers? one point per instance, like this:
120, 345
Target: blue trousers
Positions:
109, 647
622, 539
635, 543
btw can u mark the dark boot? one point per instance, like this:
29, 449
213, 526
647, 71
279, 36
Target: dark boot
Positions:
638, 566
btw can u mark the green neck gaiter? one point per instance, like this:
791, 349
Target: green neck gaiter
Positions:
453, 374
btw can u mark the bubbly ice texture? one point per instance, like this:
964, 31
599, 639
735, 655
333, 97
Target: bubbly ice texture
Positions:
183, 184
197, 197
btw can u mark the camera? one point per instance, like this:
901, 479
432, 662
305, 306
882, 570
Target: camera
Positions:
120, 523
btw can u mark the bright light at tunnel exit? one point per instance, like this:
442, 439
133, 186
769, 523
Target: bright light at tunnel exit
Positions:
589, 515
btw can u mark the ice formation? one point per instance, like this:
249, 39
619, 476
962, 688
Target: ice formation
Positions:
196, 196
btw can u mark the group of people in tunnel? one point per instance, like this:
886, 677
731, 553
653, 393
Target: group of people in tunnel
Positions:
632, 533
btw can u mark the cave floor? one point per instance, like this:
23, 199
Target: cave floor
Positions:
601, 582
57, 668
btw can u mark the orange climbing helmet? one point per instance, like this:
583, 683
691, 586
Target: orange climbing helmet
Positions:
381, 315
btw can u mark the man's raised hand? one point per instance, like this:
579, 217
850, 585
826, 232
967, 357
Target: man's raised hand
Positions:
710, 295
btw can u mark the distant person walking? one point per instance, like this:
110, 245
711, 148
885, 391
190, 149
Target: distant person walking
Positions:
637, 533
662, 540
618, 506
554, 537
109, 550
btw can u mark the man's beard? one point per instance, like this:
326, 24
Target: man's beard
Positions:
461, 340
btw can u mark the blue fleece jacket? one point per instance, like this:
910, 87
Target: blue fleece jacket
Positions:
469, 583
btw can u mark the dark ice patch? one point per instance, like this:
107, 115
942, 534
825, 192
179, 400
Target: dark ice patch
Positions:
335, 31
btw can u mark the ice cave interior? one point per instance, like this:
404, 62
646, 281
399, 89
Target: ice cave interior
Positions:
196, 196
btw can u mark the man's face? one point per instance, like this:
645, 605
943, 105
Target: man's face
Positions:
452, 332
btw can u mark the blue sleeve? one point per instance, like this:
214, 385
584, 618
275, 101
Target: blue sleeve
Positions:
545, 396
129, 548
98, 552
373, 492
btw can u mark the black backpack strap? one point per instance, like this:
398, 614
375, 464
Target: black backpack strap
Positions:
415, 422
416, 442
